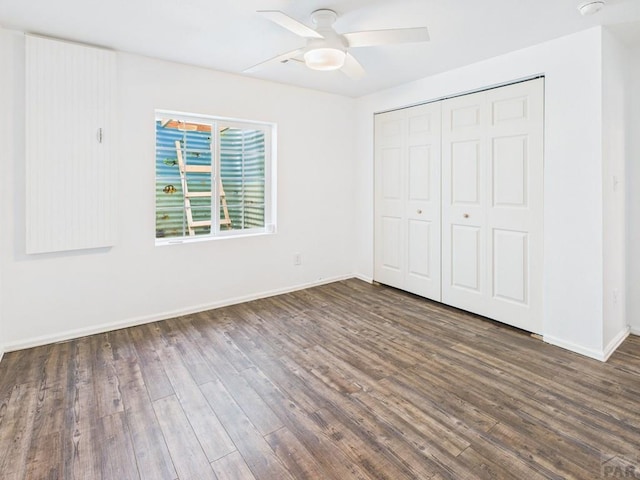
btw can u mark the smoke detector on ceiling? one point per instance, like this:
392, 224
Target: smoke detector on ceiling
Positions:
589, 8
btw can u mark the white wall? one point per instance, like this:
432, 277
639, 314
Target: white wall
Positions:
6, 153
54, 296
614, 152
573, 238
633, 191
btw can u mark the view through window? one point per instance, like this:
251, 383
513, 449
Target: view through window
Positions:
206, 165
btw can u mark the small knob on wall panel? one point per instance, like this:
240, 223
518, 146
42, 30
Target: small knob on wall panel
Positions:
465, 215
419, 212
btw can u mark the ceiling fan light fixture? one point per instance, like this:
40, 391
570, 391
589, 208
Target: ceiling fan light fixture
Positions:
325, 58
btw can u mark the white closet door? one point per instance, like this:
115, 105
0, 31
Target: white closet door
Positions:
492, 190
70, 169
407, 210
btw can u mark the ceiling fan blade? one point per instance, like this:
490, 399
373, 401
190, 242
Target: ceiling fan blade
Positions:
290, 24
385, 37
283, 58
352, 67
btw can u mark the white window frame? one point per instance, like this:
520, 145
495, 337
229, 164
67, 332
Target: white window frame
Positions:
270, 136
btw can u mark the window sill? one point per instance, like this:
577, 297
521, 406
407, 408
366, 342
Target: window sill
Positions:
160, 242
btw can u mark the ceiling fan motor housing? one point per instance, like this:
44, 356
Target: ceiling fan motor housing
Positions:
324, 20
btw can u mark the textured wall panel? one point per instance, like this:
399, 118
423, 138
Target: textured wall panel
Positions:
70, 169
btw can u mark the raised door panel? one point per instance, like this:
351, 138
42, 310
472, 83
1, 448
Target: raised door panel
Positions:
391, 167
465, 173
511, 266
464, 113
391, 244
420, 165
510, 108
466, 257
420, 240
510, 172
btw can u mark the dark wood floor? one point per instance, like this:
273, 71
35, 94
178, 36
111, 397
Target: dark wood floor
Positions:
344, 381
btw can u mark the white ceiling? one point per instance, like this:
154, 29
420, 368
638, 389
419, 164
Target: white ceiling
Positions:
228, 35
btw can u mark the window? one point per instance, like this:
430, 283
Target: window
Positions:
206, 165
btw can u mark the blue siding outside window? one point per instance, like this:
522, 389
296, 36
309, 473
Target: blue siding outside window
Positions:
242, 170
205, 146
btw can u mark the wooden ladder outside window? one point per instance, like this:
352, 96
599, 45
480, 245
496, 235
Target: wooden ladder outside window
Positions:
184, 169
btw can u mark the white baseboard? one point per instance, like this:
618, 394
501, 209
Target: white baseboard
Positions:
1, 352
364, 278
132, 322
573, 347
615, 342
602, 355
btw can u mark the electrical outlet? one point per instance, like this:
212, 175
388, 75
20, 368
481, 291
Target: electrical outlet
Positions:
297, 259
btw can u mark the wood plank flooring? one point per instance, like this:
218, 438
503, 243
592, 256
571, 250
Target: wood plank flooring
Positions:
343, 381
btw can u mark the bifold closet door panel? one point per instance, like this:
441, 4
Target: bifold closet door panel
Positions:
492, 203
407, 202
390, 234
423, 200
515, 214
70, 172
464, 201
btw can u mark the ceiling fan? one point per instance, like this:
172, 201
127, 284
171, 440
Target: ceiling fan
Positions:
328, 50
